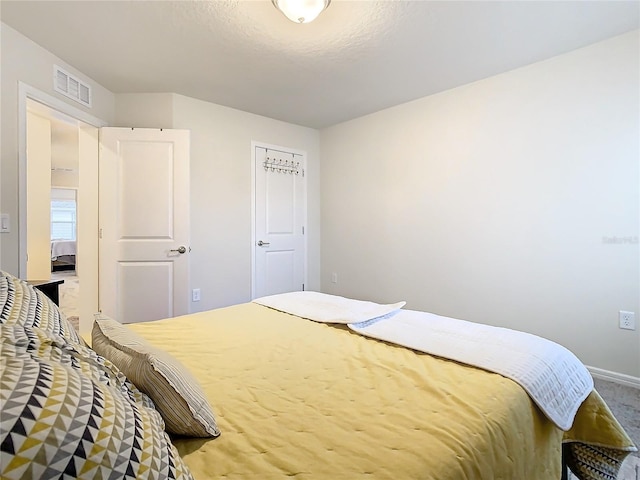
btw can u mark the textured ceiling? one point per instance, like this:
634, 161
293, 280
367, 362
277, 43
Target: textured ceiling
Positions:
356, 58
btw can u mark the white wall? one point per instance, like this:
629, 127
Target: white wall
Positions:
494, 202
144, 110
220, 259
221, 195
24, 61
64, 179
65, 157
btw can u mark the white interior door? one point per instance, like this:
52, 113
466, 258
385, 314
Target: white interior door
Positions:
144, 223
279, 245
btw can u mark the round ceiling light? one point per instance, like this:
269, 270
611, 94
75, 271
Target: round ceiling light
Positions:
301, 11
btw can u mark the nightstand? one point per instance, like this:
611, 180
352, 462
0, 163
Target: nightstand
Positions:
48, 287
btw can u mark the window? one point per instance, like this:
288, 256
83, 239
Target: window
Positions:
63, 219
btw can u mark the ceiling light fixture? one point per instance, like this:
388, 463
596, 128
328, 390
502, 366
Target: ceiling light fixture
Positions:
301, 11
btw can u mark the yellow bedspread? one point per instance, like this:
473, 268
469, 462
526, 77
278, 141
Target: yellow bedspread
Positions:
307, 400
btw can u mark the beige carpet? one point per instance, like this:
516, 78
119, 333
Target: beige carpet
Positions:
69, 292
624, 402
75, 321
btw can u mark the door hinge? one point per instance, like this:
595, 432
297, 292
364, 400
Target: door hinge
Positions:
303, 230
303, 287
100, 233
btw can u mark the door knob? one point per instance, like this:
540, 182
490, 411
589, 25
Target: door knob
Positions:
263, 244
181, 249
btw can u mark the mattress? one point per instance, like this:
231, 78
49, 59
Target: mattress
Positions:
295, 398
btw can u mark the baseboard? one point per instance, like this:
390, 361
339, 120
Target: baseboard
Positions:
621, 378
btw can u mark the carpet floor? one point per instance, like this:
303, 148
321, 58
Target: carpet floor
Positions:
624, 402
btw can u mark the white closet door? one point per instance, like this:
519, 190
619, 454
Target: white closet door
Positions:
280, 214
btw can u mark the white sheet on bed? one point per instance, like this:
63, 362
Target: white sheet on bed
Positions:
62, 247
553, 377
321, 307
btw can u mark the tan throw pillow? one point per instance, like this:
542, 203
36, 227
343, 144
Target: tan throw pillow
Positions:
176, 393
69, 413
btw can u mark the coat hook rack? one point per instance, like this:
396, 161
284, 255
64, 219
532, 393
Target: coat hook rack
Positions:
280, 165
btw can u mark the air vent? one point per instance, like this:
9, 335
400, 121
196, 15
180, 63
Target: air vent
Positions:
70, 86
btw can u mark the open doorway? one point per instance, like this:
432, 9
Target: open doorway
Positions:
53, 164
64, 243
71, 163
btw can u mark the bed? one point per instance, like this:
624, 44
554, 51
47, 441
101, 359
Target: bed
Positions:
63, 255
280, 396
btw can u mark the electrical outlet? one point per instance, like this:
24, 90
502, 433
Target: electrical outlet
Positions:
334, 277
195, 295
627, 320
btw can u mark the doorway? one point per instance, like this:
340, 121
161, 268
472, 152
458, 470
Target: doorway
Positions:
69, 137
53, 165
64, 236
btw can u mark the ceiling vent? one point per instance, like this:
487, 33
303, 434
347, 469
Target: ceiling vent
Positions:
71, 86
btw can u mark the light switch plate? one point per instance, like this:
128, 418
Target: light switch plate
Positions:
5, 223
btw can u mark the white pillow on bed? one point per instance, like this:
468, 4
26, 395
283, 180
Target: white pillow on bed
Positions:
176, 393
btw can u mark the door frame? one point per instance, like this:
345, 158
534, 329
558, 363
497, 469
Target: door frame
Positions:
27, 92
87, 235
256, 144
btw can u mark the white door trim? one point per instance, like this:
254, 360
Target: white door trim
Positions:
27, 92
254, 145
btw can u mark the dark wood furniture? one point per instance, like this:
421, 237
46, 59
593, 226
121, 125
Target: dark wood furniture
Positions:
49, 288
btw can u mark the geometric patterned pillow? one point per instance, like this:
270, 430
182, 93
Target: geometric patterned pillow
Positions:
22, 304
69, 413
594, 463
175, 392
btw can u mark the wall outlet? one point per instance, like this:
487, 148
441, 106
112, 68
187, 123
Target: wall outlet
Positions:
195, 295
334, 277
627, 320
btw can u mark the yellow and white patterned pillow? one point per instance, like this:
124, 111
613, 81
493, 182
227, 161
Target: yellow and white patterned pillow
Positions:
22, 304
69, 413
176, 394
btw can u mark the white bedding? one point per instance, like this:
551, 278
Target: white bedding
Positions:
553, 377
324, 308
62, 247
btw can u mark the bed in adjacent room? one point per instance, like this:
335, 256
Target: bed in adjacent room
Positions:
63, 255
267, 394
